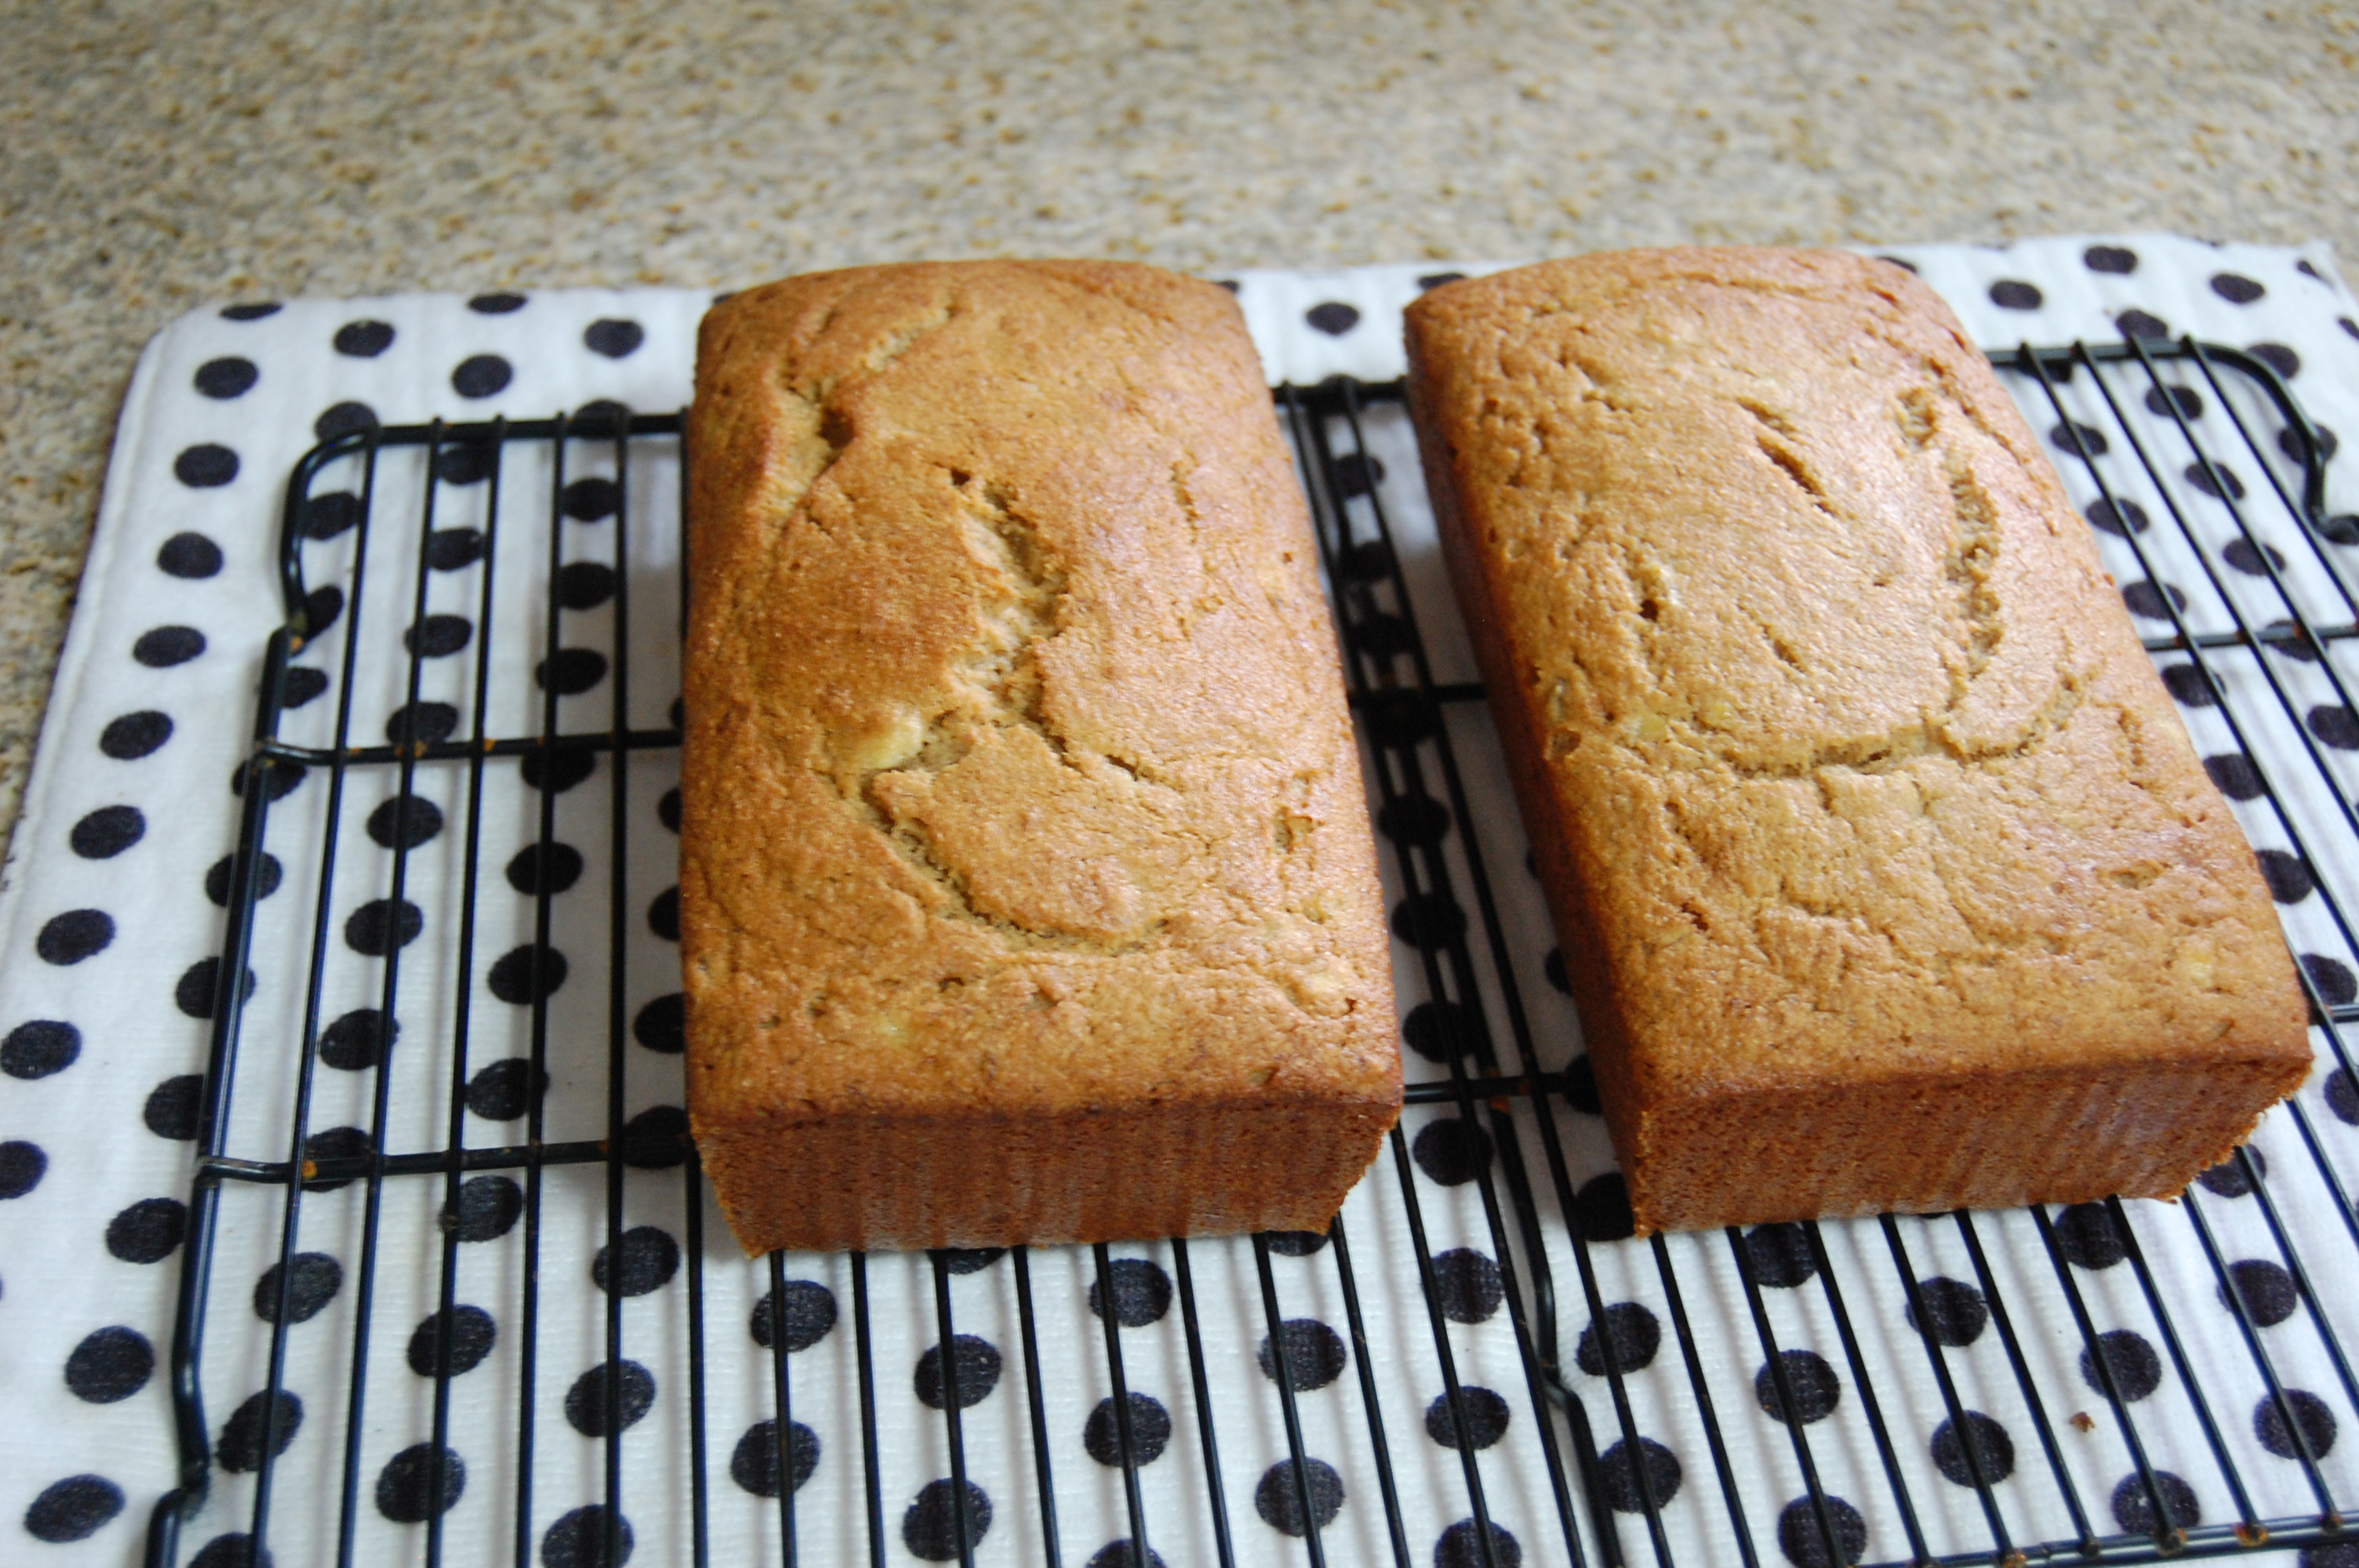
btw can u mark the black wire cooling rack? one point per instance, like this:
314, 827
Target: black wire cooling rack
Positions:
1538, 1221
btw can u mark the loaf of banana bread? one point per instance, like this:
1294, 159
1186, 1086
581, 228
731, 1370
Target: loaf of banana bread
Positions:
1027, 890
1884, 870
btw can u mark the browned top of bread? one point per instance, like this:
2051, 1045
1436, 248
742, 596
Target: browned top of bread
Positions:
1018, 777
1864, 770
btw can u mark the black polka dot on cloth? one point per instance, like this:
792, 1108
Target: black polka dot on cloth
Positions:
420, 1482
205, 467
2335, 725
2296, 446
467, 1334
525, 975
189, 556
1277, 1496
73, 1509
1451, 1150
590, 500
2118, 517
585, 584
1150, 1432
334, 1143
268, 873
280, 778
2343, 1097
2254, 559
355, 1041
2190, 685
663, 915
1357, 473
453, 549
148, 1231
753, 1464
2264, 1288
2336, 1554
1803, 1526
662, 1024
1444, 1030
2134, 1509
22, 1165
1954, 1312
197, 992
930, 1528
1125, 1553
1370, 560
679, 722
2079, 440
106, 833
303, 684
173, 1107
645, 1260
1435, 280
2113, 259
1462, 1546
2217, 480
1973, 1442
2331, 977
261, 1419
322, 608
327, 514
2235, 775
1296, 1243
614, 339
466, 463
578, 1540
2312, 1427
2137, 1369
482, 375
1580, 1086
1817, 1390
2153, 600
2235, 288
421, 722
2088, 1237
806, 1311
343, 419
505, 1091
1141, 1290
309, 1281
438, 636
1467, 1285
76, 934
235, 1548
383, 926
486, 1208
657, 1139
2288, 875
1429, 920
496, 304
168, 646
1629, 1330
1315, 1356
253, 311
1779, 1255
2277, 357
109, 1365
570, 672
2141, 324
134, 734
1383, 635
2185, 400
1553, 967
404, 822
1602, 1206
226, 378
2013, 294
1628, 1487
1399, 718
1414, 820
1486, 1416
1333, 317
363, 339
39, 1047
587, 1410
668, 808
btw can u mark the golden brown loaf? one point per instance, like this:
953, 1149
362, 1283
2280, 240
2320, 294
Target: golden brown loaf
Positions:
1884, 871
1027, 891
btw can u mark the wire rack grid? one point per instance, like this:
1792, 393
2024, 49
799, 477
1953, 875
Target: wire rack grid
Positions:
1493, 1233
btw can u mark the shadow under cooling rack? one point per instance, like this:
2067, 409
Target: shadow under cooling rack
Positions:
453, 1269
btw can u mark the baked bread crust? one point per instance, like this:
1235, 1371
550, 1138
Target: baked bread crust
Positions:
1885, 874
1027, 890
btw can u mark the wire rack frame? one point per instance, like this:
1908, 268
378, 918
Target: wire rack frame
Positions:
1532, 1209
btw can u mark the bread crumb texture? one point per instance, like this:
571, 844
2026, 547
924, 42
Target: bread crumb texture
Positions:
1019, 789
1848, 772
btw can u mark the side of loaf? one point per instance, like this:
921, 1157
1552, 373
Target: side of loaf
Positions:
1884, 871
1027, 891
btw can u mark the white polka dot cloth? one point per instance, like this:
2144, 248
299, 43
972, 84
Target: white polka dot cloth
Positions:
497, 1363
